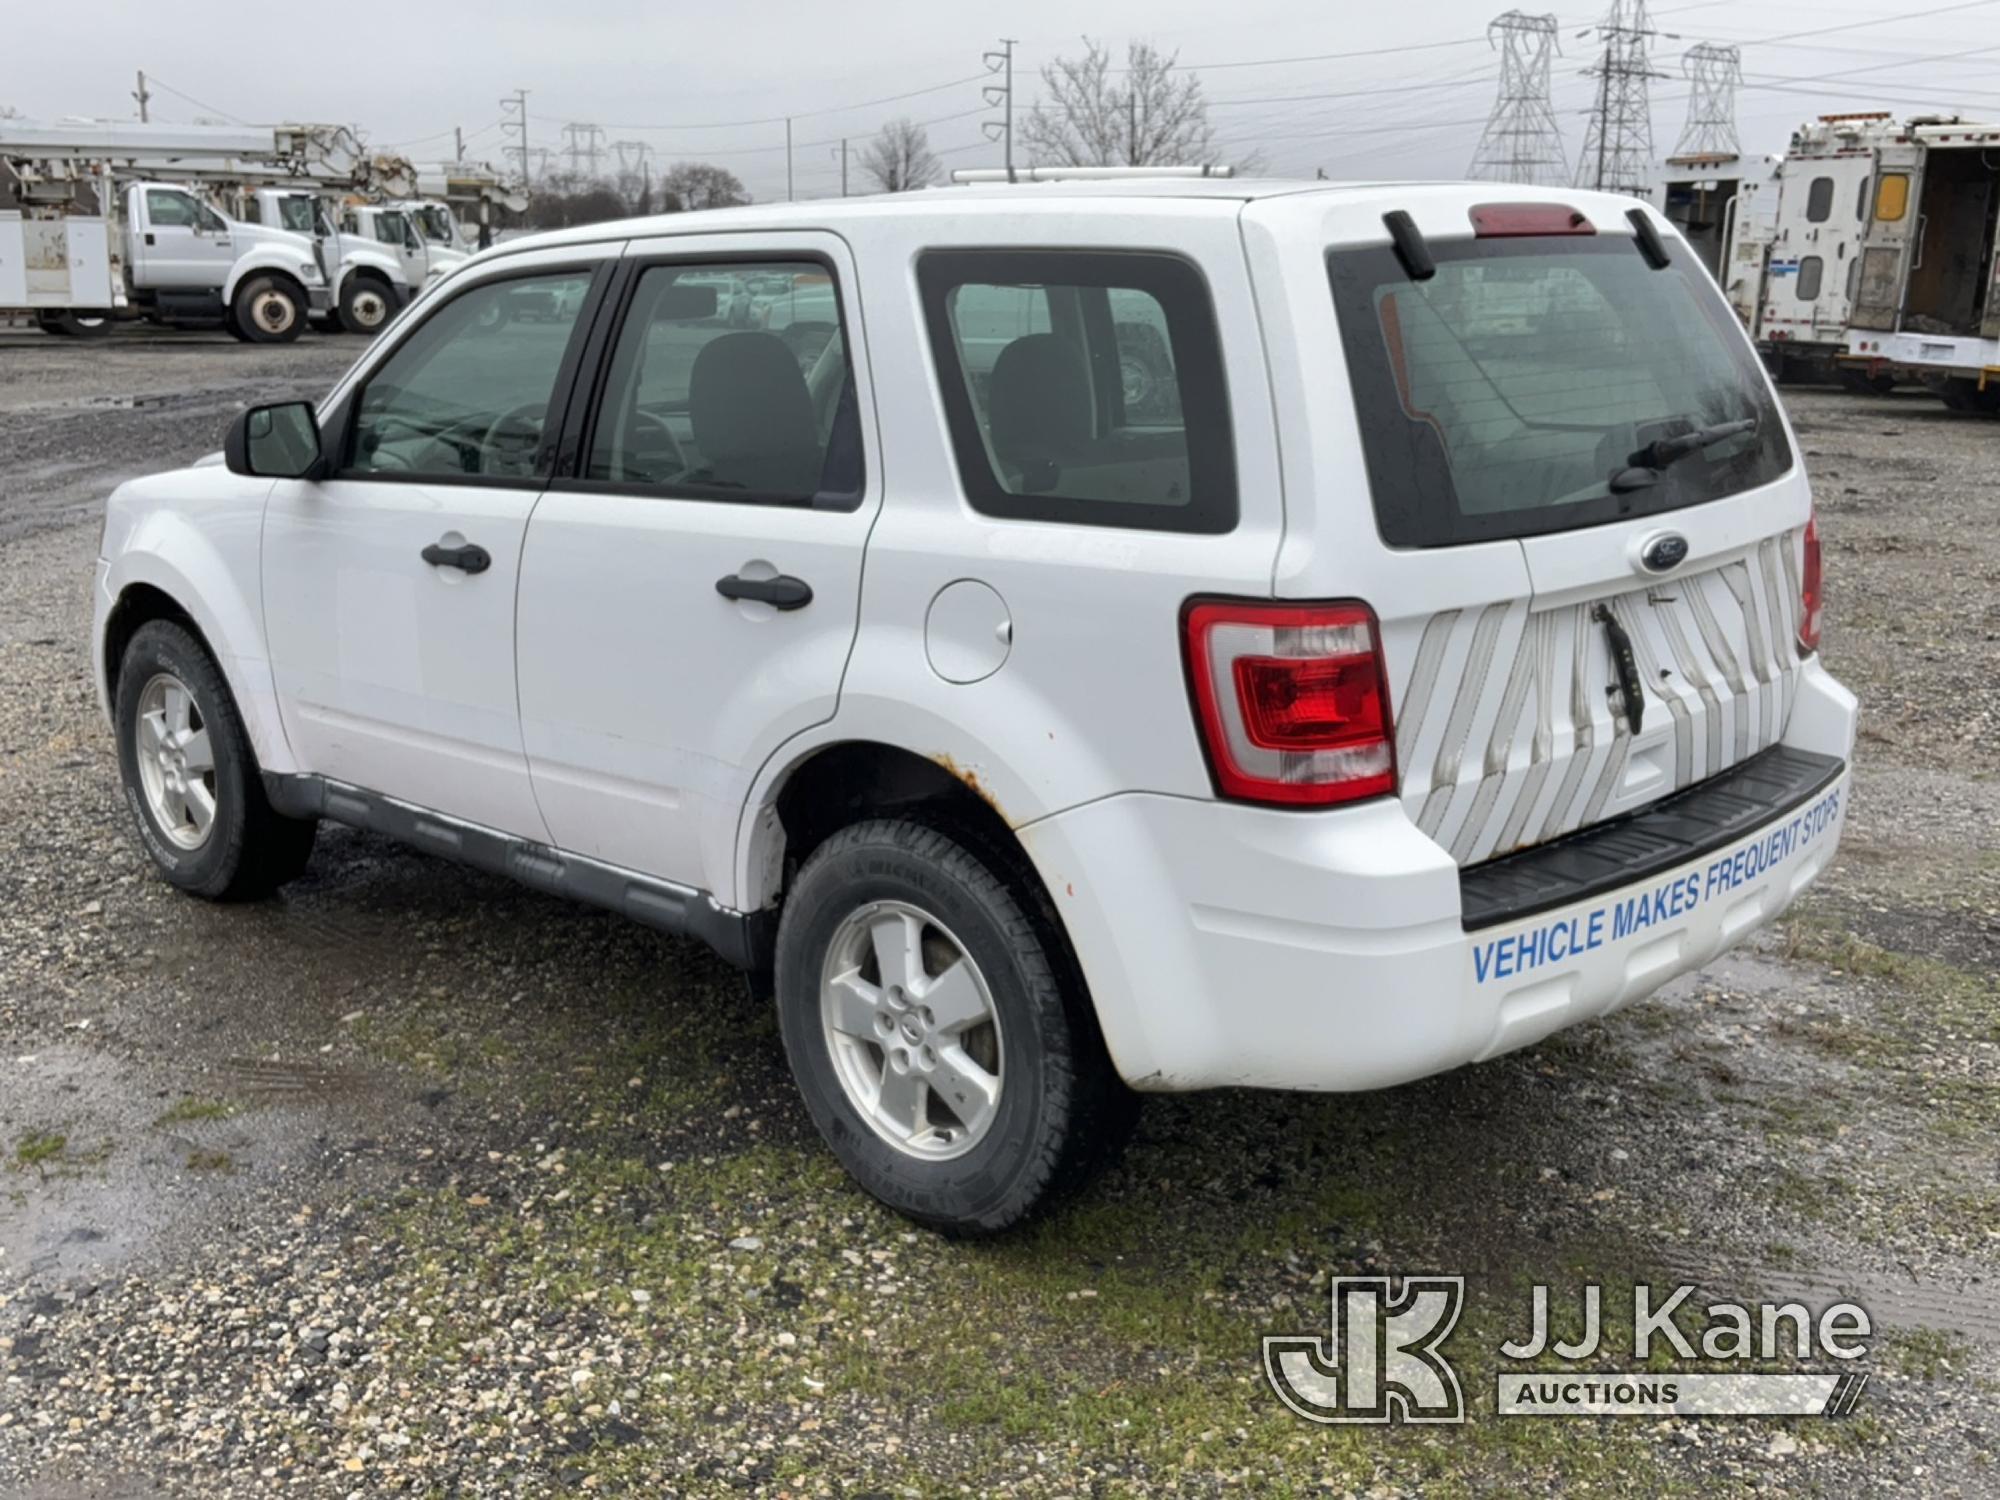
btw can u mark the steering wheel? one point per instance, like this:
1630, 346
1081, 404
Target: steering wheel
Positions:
667, 446
512, 441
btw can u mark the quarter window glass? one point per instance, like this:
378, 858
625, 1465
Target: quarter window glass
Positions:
468, 392
732, 383
1811, 270
1819, 200
1892, 198
1861, 199
170, 210
1083, 387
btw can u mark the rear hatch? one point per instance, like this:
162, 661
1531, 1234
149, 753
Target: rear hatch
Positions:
1595, 430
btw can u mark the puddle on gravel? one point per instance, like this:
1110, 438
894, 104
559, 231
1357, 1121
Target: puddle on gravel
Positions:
139, 1172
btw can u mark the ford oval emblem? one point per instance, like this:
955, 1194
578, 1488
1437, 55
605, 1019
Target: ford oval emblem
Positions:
1665, 552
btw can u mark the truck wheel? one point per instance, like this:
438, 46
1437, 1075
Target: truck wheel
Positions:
943, 1050
269, 310
74, 325
190, 777
365, 305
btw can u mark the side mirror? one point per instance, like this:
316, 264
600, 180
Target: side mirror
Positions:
274, 442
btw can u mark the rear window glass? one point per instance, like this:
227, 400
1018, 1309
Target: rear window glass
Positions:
1083, 387
1502, 395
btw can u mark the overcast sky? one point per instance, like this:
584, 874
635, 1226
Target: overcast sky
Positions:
685, 78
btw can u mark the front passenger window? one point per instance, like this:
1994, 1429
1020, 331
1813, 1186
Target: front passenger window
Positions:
467, 394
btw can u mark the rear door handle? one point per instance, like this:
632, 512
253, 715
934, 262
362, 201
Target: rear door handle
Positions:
782, 592
471, 558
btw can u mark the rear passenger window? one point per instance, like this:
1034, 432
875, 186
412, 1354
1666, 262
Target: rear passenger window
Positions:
732, 382
1819, 200
1811, 270
1083, 386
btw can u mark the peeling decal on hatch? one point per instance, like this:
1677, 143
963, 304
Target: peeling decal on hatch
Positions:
1619, 917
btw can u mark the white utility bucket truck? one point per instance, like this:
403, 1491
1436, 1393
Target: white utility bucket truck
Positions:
107, 221
1927, 307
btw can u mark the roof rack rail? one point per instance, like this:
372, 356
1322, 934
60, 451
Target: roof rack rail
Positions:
1084, 174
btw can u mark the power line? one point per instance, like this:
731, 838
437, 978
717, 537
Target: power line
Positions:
807, 114
159, 83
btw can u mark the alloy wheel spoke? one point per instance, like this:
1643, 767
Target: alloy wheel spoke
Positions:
898, 936
855, 1003
196, 752
152, 732
900, 1104
177, 708
966, 1089
953, 999
199, 803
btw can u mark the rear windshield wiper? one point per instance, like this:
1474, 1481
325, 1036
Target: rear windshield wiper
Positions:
1647, 462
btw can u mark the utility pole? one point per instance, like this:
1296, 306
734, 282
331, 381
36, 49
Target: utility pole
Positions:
1618, 143
514, 122
1002, 94
1522, 142
788, 160
144, 98
458, 137
843, 166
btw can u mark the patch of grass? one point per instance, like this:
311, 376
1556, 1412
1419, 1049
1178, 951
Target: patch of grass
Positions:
1923, 1353
195, 1108
40, 1148
210, 1161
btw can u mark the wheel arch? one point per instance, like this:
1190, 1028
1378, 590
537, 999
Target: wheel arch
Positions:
834, 785
265, 263
159, 584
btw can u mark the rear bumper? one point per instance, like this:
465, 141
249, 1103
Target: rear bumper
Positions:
1234, 945
1921, 353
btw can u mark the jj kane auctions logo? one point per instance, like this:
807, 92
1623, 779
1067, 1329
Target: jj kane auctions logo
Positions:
1383, 1359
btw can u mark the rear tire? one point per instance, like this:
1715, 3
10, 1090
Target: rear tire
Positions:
268, 310
74, 325
366, 305
934, 1026
190, 777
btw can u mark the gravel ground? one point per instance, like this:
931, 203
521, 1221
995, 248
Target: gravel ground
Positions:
412, 1181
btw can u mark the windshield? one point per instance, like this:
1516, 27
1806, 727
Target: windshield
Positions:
1504, 395
435, 223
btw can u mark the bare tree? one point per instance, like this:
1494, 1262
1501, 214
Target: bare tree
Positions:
700, 184
1153, 116
900, 158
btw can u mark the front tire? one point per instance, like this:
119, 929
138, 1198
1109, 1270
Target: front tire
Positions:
190, 777
932, 1024
365, 305
268, 310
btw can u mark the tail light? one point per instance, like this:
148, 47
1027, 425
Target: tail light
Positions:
1810, 595
1293, 700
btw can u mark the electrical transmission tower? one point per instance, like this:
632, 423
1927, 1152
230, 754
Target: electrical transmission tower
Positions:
583, 144
1711, 124
1522, 142
1618, 144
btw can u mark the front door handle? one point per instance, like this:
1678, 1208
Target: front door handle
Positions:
782, 592
470, 558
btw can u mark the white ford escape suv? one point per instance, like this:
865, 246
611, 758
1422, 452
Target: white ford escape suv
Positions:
1166, 634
